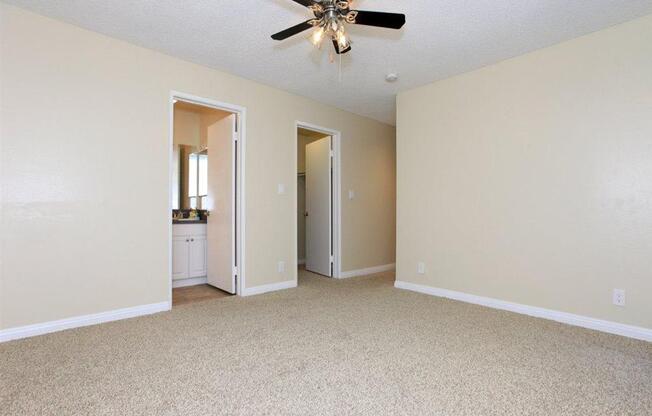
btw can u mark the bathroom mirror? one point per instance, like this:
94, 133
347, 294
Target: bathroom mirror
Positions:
190, 170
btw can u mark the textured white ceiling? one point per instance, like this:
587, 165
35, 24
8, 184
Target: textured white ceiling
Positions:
441, 38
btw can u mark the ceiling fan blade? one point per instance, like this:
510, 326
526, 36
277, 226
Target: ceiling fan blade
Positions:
337, 48
380, 19
291, 31
306, 3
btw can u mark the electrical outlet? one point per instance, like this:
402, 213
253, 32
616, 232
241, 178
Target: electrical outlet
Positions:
619, 297
351, 194
281, 267
280, 189
421, 267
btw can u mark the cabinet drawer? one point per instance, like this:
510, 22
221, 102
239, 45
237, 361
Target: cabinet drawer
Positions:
188, 229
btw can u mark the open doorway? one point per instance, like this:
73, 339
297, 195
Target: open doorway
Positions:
318, 210
205, 199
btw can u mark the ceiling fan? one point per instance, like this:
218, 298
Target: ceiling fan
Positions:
330, 19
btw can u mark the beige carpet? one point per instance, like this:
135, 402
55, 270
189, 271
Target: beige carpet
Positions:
352, 347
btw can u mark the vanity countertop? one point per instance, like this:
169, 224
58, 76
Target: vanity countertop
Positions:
189, 222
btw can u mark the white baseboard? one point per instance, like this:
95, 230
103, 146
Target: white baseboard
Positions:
368, 270
630, 331
194, 281
258, 290
79, 321
301, 261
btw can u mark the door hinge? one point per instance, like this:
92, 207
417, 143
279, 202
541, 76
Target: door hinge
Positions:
332, 259
332, 153
235, 137
235, 271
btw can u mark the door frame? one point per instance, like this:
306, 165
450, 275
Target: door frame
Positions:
337, 200
238, 220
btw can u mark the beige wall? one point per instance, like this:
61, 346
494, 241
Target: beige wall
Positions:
368, 220
72, 244
206, 120
531, 180
186, 139
187, 130
191, 125
301, 218
302, 141
301, 152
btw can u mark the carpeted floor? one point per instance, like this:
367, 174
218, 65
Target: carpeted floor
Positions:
350, 347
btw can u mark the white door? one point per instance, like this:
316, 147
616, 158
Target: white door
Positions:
197, 257
180, 258
319, 206
221, 203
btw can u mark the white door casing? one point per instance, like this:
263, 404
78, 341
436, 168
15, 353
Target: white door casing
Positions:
319, 206
221, 203
239, 203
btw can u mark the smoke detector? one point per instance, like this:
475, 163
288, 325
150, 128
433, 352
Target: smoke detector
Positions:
391, 77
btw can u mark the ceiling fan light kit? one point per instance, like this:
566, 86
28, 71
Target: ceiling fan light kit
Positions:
331, 18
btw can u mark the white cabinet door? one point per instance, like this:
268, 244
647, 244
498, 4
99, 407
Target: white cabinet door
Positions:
197, 256
180, 257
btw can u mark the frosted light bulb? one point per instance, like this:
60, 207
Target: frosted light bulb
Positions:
342, 40
317, 37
